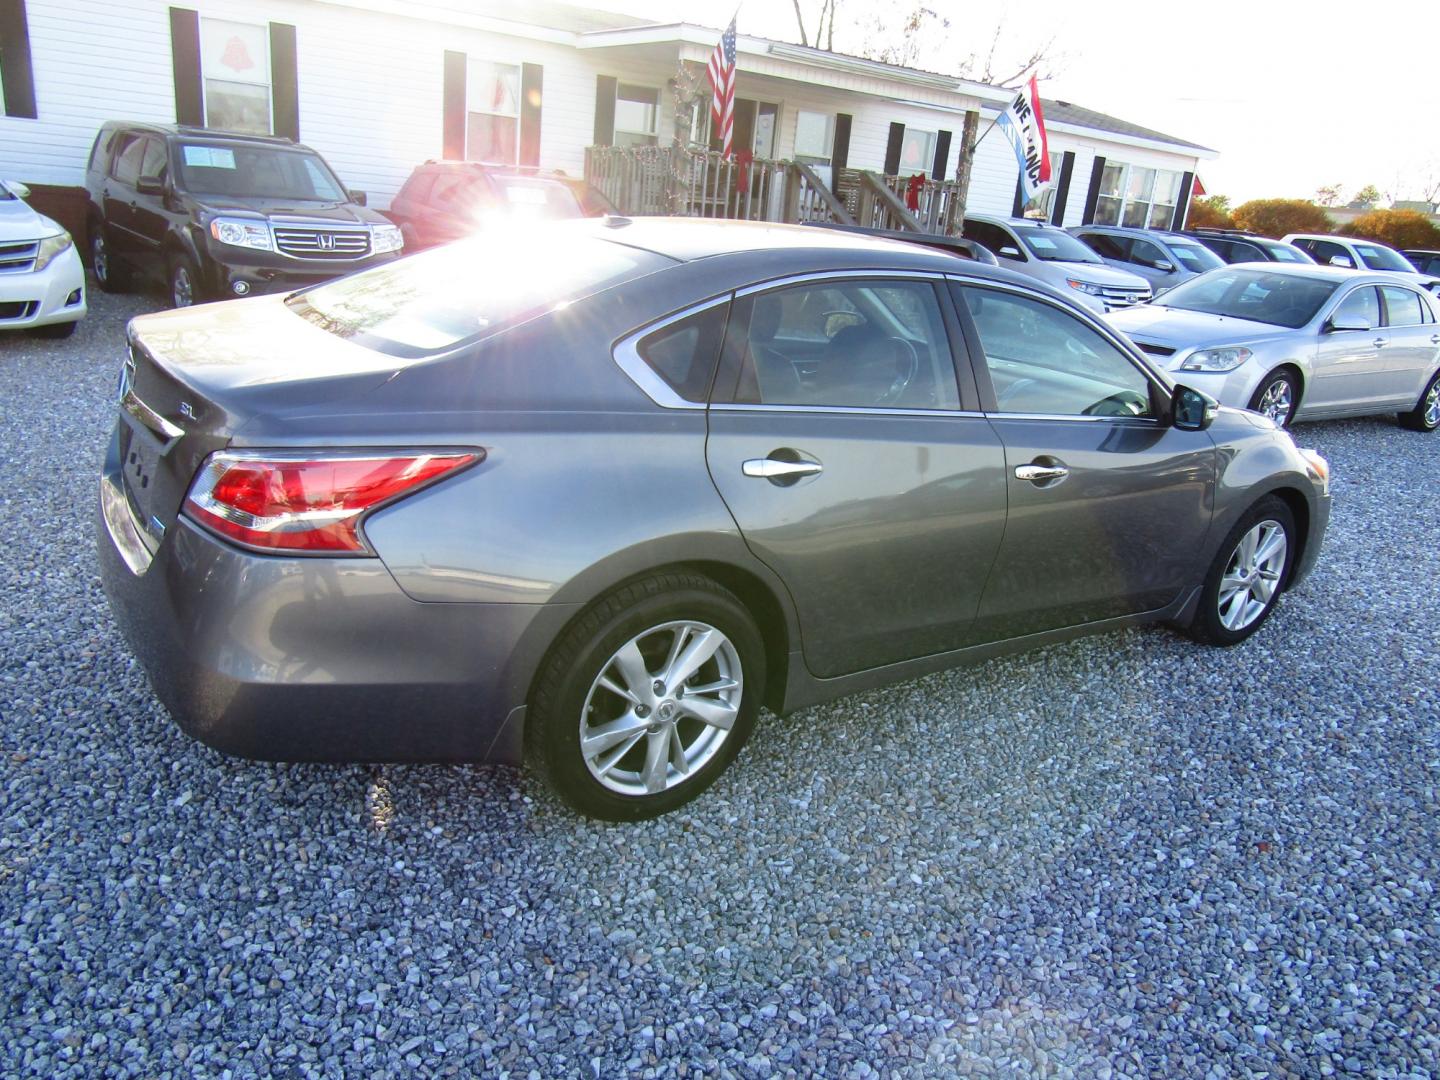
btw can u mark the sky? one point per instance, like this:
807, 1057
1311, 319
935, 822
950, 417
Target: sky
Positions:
1293, 97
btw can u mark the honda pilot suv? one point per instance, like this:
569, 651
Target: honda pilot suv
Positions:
217, 214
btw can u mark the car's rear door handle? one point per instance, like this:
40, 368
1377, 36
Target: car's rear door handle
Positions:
1379, 343
1435, 339
775, 469
1040, 474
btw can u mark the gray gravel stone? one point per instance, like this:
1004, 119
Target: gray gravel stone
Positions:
1127, 856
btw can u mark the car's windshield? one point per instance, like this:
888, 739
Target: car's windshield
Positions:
1382, 258
257, 172
6, 194
1194, 257
1056, 246
1258, 295
465, 290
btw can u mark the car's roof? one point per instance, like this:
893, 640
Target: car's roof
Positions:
208, 134
1320, 272
1419, 251
1014, 222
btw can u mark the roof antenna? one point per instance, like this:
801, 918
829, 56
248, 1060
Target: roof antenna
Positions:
616, 221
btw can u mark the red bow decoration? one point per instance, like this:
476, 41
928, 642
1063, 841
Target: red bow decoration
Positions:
912, 191
744, 159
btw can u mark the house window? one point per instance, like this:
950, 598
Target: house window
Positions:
1137, 197
1039, 207
917, 152
492, 122
814, 137
235, 69
637, 111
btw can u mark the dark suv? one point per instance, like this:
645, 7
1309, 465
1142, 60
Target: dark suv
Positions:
447, 200
1237, 246
218, 214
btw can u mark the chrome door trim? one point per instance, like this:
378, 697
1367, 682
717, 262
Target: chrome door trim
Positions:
733, 406
837, 275
1149, 420
626, 354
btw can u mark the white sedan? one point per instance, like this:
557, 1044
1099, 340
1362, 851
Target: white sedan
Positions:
42, 282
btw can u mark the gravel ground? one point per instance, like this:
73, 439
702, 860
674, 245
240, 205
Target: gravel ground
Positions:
1126, 856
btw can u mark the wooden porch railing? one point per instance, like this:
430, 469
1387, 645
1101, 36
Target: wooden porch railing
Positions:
656, 180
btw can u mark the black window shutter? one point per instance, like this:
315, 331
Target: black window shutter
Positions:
1019, 203
1182, 205
942, 156
892, 149
531, 95
185, 61
284, 80
1092, 196
840, 152
605, 87
15, 67
1062, 188
453, 129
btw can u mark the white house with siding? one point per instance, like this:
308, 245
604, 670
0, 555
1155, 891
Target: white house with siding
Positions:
378, 86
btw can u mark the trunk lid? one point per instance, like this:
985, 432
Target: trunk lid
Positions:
194, 377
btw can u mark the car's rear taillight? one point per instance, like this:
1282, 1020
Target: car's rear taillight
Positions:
312, 503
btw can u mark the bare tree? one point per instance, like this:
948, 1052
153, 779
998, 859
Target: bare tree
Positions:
1329, 195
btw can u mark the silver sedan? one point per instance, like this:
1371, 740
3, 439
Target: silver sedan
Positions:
1299, 342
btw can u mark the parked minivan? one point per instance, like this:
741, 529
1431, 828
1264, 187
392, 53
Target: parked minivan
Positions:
1055, 257
217, 214
1164, 259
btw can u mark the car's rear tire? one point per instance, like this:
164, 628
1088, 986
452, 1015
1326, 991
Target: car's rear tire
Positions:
1277, 397
182, 279
623, 723
1426, 414
56, 330
1249, 573
112, 275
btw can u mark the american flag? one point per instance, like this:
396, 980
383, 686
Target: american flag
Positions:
722, 82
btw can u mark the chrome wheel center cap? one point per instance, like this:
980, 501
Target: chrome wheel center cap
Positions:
666, 710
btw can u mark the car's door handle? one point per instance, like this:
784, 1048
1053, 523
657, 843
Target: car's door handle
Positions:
1435, 339
1040, 474
1379, 343
776, 469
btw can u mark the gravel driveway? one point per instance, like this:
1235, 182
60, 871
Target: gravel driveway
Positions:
1126, 856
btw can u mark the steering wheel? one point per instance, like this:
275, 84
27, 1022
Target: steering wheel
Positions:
1120, 403
909, 360
1016, 388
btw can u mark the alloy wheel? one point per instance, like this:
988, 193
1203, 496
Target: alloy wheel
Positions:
182, 289
1432, 405
661, 707
99, 258
1277, 401
1252, 575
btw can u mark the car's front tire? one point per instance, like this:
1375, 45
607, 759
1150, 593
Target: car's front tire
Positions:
182, 278
111, 275
1277, 397
1426, 414
1248, 575
646, 698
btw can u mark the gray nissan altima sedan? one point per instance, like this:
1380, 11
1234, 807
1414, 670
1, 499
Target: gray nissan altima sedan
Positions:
591, 495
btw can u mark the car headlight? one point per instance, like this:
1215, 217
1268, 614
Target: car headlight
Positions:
1226, 359
1318, 468
1087, 287
50, 247
385, 238
242, 232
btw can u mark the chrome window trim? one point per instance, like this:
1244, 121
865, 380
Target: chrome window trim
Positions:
1148, 420
837, 275
732, 406
626, 354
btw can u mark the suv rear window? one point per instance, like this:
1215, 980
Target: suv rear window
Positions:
468, 290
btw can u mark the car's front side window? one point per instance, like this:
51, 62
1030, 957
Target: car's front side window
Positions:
1362, 303
855, 343
1044, 361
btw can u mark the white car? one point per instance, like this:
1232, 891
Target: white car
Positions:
42, 281
1358, 253
1299, 342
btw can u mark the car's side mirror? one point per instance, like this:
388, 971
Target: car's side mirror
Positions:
357, 197
1191, 409
150, 185
1341, 260
1339, 323
19, 190
1010, 252
1163, 265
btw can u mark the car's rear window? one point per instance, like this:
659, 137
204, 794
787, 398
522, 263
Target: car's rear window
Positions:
463, 291
529, 198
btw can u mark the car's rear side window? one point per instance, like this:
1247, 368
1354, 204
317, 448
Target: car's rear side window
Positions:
1402, 307
1111, 247
684, 352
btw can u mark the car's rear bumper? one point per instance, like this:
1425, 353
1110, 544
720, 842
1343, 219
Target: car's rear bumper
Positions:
53, 295
316, 659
